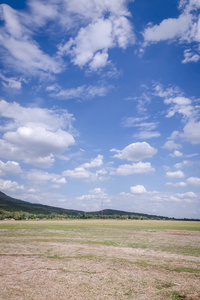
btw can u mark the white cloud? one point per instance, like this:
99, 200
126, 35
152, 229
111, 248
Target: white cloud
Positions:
8, 185
22, 52
10, 167
81, 92
94, 200
92, 42
96, 26
172, 145
143, 135
184, 163
166, 93
135, 168
138, 189
190, 56
78, 173
177, 154
191, 181
95, 162
11, 83
39, 177
181, 105
100, 59
177, 184
177, 174
190, 113
146, 128
81, 172
34, 135
94, 195
19, 116
135, 151
184, 29
133, 121
191, 132
168, 29
188, 195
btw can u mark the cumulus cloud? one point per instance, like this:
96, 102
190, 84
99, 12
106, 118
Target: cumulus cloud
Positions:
94, 163
8, 185
190, 56
82, 172
168, 29
177, 174
38, 177
94, 195
91, 44
191, 132
10, 167
191, 181
96, 27
178, 104
135, 151
78, 173
95, 199
184, 29
185, 163
34, 135
138, 189
177, 154
135, 168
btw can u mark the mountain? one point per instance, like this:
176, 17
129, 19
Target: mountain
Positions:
11, 204
112, 212
15, 205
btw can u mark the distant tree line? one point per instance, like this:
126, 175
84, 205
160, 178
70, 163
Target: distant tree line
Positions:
21, 215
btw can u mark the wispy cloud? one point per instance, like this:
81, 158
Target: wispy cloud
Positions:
81, 92
96, 25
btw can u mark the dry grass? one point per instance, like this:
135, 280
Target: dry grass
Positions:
96, 259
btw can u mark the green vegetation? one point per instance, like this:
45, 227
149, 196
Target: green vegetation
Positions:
9, 205
11, 208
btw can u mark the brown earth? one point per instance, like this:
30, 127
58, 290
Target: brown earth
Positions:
38, 267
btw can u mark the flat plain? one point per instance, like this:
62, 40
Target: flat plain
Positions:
99, 259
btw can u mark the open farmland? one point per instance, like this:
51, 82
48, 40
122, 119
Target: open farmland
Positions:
99, 259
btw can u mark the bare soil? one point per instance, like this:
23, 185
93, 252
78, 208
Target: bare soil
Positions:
36, 266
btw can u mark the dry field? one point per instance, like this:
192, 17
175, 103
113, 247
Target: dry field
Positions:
99, 259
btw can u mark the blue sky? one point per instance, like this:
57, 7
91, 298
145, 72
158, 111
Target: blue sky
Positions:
99, 104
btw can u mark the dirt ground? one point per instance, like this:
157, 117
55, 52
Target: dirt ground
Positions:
56, 264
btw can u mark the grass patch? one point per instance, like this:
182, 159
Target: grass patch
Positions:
82, 225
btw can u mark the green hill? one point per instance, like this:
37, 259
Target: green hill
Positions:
10, 204
18, 209
112, 212
15, 205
